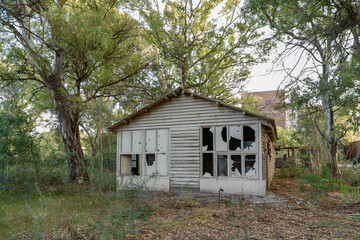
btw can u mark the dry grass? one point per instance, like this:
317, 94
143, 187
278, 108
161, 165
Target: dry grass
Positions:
83, 214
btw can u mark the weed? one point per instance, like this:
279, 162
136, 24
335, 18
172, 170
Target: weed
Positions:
356, 217
349, 195
320, 185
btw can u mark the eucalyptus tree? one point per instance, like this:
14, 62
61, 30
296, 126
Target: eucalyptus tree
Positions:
75, 51
322, 37
205, 45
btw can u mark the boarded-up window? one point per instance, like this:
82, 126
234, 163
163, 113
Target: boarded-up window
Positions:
150, 140
162, 168
208, 165
162, 139
137, 141
126, 141
236, 170
222, 165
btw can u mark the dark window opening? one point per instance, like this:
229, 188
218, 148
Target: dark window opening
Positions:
150, 159
234, 143
222, 165
208, 166
250, 170
135, 164
224, 134
236, 165
207, 139
249, 137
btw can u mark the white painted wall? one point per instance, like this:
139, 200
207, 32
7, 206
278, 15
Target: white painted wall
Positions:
233, 186
161, 184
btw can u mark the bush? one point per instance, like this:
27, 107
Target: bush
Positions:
321, 184
351, 176
291, 170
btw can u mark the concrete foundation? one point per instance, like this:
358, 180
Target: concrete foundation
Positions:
233, 186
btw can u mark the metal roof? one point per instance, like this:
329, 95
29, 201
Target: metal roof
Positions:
177, 92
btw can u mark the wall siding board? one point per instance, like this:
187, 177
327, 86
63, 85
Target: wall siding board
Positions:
184, 116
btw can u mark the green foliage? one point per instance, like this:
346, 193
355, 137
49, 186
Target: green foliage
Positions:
291, 170
289, 136
17, 144
351, 176
320, 185
350, 195
199, 52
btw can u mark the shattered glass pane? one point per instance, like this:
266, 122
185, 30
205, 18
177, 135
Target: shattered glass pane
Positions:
250, 166
249, 138
150, 159
222, 165
208, 144
221, 139
150, 164
235, 138
135, 164
236, 165
208, 166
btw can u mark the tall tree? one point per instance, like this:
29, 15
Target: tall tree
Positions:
75, 51
316, 31
204, 45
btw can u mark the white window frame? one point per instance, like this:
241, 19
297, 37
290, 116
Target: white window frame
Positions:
229, 153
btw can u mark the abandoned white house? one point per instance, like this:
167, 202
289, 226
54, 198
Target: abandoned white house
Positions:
185, 140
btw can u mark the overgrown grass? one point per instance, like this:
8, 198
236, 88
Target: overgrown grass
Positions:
292, 171
72, 211
351, 176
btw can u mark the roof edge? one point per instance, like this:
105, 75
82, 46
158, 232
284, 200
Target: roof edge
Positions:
177, 92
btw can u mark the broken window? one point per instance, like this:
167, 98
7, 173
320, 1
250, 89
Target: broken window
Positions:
135, 164
222, 165
250, 166
150, 164
236, 165
208, 166
235, 138
221, 139
207, 134
125, 165
249, 138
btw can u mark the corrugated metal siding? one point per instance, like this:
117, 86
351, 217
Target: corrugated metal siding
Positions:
184, 159
188, 111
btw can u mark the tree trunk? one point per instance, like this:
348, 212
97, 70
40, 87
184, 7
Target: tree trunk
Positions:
69, 123
329, 119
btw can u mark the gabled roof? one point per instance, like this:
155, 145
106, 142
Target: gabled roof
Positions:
177, 92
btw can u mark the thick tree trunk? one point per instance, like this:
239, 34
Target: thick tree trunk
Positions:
329, 119
69, 123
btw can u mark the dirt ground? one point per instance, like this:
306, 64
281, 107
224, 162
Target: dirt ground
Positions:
286, 213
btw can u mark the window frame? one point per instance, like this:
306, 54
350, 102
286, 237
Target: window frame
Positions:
230, 153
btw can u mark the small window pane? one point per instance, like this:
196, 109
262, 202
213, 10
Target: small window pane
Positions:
250, 166
208, 166
221, 139
235, 138
236, 165
150, 164
135, 164
249, 138
222, 165
207, 134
